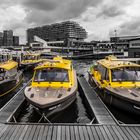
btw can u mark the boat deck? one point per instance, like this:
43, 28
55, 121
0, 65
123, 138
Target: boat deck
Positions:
107, 128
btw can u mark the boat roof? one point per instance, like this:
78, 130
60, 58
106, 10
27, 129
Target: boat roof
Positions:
8, 65
32, 54
112, 63
57, 62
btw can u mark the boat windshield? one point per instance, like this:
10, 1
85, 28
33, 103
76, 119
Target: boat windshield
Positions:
51, 75
126, 74
30, 57
4, 57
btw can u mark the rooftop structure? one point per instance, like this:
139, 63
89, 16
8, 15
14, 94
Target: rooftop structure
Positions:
124, 38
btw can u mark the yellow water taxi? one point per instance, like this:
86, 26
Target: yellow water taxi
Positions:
10, 77
117, 82
54, 85
30, 61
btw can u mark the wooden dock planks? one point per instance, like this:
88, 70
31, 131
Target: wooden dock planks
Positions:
67, 132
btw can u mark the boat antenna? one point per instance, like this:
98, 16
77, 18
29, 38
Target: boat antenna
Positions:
115, 32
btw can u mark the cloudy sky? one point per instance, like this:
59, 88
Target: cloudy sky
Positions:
99, 17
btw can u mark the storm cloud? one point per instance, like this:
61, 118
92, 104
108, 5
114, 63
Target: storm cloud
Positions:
98, 17
47, 11
131, 27
112, 11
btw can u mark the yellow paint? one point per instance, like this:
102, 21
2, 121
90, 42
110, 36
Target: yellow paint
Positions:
32, 54
111, 63
57, 62
10, 64
31, 61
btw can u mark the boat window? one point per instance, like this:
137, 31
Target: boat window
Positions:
2, 74
107, 75
11, 72
51, 75
102, 71
30, 57
4, 57
126, 74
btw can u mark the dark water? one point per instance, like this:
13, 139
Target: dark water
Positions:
77, 112
124, 117
6, 98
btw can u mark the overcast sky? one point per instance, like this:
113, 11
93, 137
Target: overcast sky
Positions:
99, 17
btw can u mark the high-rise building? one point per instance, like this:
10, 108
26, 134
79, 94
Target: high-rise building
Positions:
8, 38
64, 31
1, 38
15, 40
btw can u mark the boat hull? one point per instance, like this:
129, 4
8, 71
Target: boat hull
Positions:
9, 85
46, 105
111, 99
55, 108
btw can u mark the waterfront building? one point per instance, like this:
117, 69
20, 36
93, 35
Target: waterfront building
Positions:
15, 40
134, 48
8, 38
1, 38
67, 32
130, 44
123, 38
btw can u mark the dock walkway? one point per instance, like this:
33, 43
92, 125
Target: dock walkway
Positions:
107, 129
101, 113
9, 109
68, 132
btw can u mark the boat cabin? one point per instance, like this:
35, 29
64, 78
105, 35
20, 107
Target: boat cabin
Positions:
5, 57
31, 57
54, 73
8, 69
116, 73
